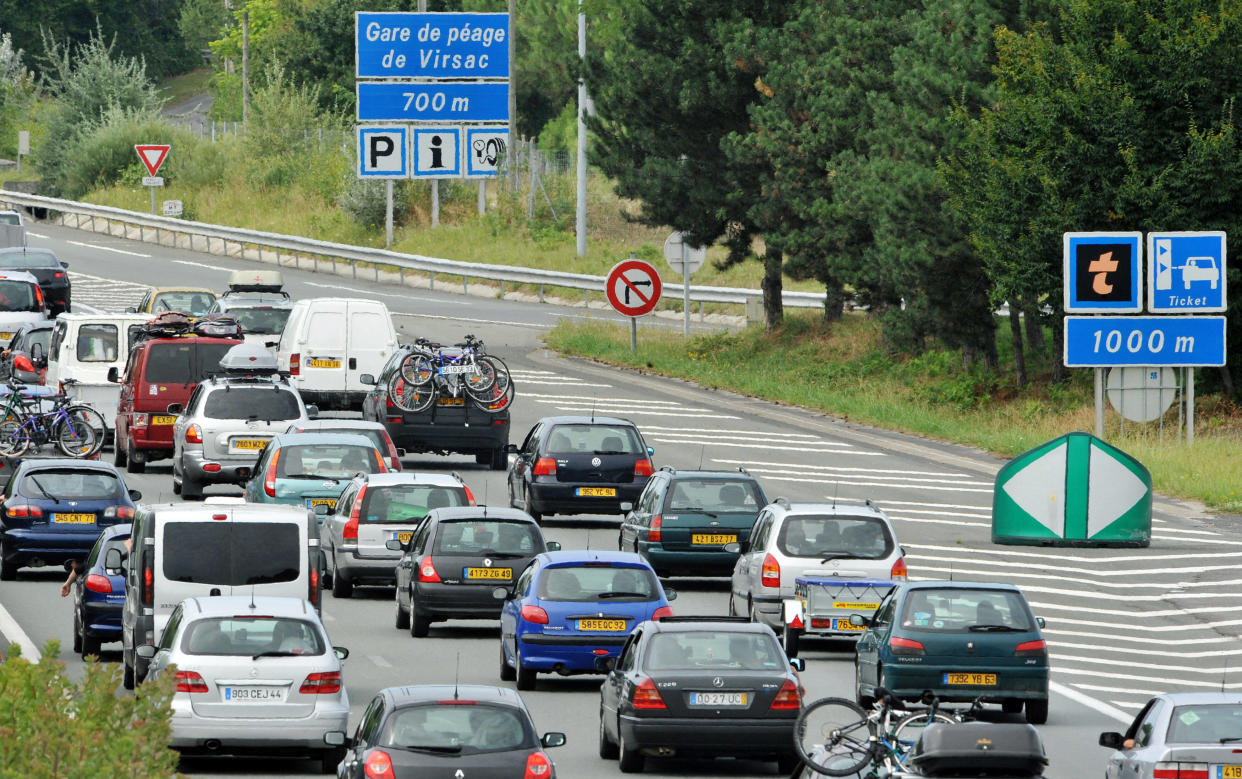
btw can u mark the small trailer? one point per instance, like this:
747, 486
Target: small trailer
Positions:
822, 606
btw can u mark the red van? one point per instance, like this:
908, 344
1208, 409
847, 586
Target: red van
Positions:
159, 371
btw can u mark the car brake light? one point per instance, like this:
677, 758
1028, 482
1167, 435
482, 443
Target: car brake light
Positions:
349, 535
537, 765
905, 646
38, 296
392, 452
313, 583
1038, 648
321, 683
378, 765
469, 495
295, 364
1180, 771
656, 531
898, 573
60, 274
788, 697
190, 681
379, 461
544, 466
535, 615
98, 583
269, 478
661, 613
770, 575
148, 581
33, 512
646, 696
193, 434
427, 570
643, 468
22, 363
139, 420
118, 512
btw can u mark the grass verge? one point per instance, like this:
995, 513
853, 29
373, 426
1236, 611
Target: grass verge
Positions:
843, 371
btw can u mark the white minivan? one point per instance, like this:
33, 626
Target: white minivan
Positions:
328, 343
83, 347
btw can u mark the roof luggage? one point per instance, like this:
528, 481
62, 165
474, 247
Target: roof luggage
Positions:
256, 281
979, 749
218, 326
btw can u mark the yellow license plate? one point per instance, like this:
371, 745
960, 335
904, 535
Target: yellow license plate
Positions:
6, 337
1229, 772
76, 519
450, 401
503, 574
855, 606
713, 539
601, 624
313, 502
163, 419
977, 680
248, 443
404, 536
323, 363
844, 624
597, 492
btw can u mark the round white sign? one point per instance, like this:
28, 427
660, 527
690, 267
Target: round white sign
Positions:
683, 258
1142, 394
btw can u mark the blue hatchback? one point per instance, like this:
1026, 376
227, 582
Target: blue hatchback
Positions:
99, 594
570, 608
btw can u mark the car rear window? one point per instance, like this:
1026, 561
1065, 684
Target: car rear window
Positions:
593, 439
192, 303
28, 259
16, 295
405, 502
251, 636
715, 495
864, 538
10, 218
491, 536
375, 434
262, 320
327, 460
263, 403
176, 363
72, 485
457, 729
40, 337
232, 554
1205, 723
690, 650
97, 343
597, 582
966, 611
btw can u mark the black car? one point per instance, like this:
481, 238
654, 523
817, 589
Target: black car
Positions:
99, 593
52, 274
700, 687
20, 344
456, 558
446, 730
579, 465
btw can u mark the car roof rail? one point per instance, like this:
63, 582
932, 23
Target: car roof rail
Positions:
781, 499
706, 618
668, 468
457, 476
742, 469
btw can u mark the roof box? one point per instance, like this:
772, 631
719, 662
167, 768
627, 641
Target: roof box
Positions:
248, 359
255, 281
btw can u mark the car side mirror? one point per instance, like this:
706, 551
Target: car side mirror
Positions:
113, 562
341, 652
321, 510
146, 651
511, 448
135, 495
175, 408
1111, 740
605, 664
627, 506
393, 545
64, 264
114, 375
367, 379
337, 738
552, 546
859, 621
501, 593
670, 594
553, 739
650, 451
312, 412
733, 548
1040, 621
401, 453
798, 664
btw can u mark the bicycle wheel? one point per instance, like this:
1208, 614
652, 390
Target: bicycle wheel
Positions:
13, 439
417, 369
411, 398
498, 366
910, 728
833, 736
481, 380
85, 418
498, 399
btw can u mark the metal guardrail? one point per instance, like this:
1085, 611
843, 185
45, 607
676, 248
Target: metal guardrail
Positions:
78, 214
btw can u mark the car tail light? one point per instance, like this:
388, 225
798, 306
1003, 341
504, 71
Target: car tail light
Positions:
821, 622
469, 495
643, 468
60, 274
190, 681
379, 461
193, 434
906, 646
38, 297
118, 512
544, 466
321, 683
770, 575
349, 534
661, 613
646, 696
211, 467
148, 580
269, 478
32, 512
1180, 771
1037, 648
378, 765
98, 583
535, 615
656, 531
312, 587
898, 573
22, 363
427, 570
139, 420
788, 698
295, 364
537, 765
392, 453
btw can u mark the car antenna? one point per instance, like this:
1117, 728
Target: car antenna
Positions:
252, 606
588, 546
836, 487
456, 674
1223, 673
594, 395
702, 450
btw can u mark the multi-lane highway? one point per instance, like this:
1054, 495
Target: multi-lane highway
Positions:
1121, 624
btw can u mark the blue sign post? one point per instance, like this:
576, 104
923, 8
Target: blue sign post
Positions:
1122, 341
432, 45
437, 101
1186, 273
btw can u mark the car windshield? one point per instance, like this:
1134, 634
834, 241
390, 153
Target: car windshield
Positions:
28, 259
954, 610
261, 320
1205, 723
835, 536
695, 649
259, 403
491, 536
16, 295
330, 461
10, 218
406, 502
72, 485
251, 636
450, 728
593, 582
714, 495
192, 303
593, 439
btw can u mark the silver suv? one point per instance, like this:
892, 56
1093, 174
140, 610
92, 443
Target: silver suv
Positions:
228, 420
848, 540
377, 508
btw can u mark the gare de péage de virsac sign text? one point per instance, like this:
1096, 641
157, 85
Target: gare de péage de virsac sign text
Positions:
439, 45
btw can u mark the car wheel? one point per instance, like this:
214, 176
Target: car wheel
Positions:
419, 624
135, 464
607, 749
863, 700
118, 454
750, 611
402, 622
190, 489
499, 461
1037, 711
1011, 705
127, 675
482, 458
77, 633
176, 486
732, 607
8, 570
342, 587
632, 760
329, 759
507, 672
89, 645
525, 676
790, 637
787, 764
530, 508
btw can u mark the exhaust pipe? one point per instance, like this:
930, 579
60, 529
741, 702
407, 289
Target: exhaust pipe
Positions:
561, 669
659, 751
212, 745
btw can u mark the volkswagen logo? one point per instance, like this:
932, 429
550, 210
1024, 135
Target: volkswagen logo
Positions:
717, 682
595, 461
487, 561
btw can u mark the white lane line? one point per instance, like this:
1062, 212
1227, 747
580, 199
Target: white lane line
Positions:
531, 325
1089, 702
1113, 637
601, 411
1164, 588
562, 382
1057, 567
1065, 555
108, 249
936, 513
14, 633
203, 265
373, 293
1227, 623
38, 235
828, 478
1129, 705
1171, 683
756, 433
894, 481
1098, 659
1181, 654
610, 399
931, 521
79, 305
811, 469
987, 508
381, 662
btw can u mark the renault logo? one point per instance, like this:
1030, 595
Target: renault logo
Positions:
487, 561
717, 682
460, 774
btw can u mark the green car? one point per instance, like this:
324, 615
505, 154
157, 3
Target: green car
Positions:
308, 469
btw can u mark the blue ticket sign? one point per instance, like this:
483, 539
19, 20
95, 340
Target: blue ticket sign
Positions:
432, 45
1186, 273
437, 101
1157, 341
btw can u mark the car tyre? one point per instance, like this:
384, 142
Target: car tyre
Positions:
530, 509
1037, 711
127, 674
134, 464
419, 624
88, 645
77, 633
631, 760
176, 486
507, 672
499, 461
8, 570
402, 621
791, 637
863, 700
1012, 705
787, 764
119, 458
329, 759
342, 587
732, 606
190, 489
607, 749
525, 676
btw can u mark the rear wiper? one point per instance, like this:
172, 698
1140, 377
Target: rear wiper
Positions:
273, 653
493, 553
608, 451
697, 510
996, 629
308, 476
1228, 739
43, 489
830, 556
448, 750
603, 595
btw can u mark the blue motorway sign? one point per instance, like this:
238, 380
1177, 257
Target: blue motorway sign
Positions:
1186, 273
431, 45
437, 101
1121, 341
383, 152
1103, 273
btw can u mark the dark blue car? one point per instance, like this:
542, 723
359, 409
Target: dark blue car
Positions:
99, 594
54, 510
569, 608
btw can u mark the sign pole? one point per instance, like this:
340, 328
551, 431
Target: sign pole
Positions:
1190, 406
1099, 403
633, 334
685, 293
580, 221
388, 213
435, 202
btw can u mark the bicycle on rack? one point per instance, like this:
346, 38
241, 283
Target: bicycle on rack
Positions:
431, 371
78, 430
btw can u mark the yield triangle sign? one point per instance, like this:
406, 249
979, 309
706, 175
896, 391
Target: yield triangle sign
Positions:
152, 155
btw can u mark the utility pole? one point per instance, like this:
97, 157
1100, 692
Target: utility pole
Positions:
581, 225
245, 65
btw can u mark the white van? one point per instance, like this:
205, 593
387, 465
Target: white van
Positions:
220, 547
328, 343
83, 347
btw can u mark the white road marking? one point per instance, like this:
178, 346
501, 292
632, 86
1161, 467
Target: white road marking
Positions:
1149, 628
381, 662
1061, 554
1210, 685
204, 265
14, 633
931, 521
811, 469
372, 293
1092, 593
1114, 637
1054, 563
829, 473
1103, 659
108, 249
566, 398
936, 513
1181, 654
828, 478
531, 325
79, 306
1089, 702
761, 434
561, 383
987, 508
605, 411
38, 235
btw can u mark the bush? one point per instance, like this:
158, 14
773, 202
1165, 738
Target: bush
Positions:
282, 130
364, 200
51, 726
102, 153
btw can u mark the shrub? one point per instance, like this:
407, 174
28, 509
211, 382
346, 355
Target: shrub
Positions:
364, 200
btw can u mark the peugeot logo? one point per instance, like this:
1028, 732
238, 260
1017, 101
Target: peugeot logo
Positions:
595, 461
717, 682
73, 503
487, 561
714, 523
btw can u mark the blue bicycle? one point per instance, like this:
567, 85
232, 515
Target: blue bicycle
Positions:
77, 430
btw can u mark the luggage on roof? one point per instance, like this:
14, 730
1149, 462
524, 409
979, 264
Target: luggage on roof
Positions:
256, 281
248, 359
218, 326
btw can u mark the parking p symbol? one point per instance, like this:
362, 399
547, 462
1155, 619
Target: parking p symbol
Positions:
383, 152
381, 146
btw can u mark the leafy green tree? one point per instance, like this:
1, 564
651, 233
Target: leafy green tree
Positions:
201, 22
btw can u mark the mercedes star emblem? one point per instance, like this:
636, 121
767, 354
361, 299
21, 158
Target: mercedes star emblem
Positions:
717, 682
595, 461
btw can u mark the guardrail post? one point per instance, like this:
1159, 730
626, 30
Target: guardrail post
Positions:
401, 273
465, 285
586, 298
540, 293
431, 275
354, 266
502, 289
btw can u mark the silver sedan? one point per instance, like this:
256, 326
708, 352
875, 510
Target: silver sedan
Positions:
1186, 734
